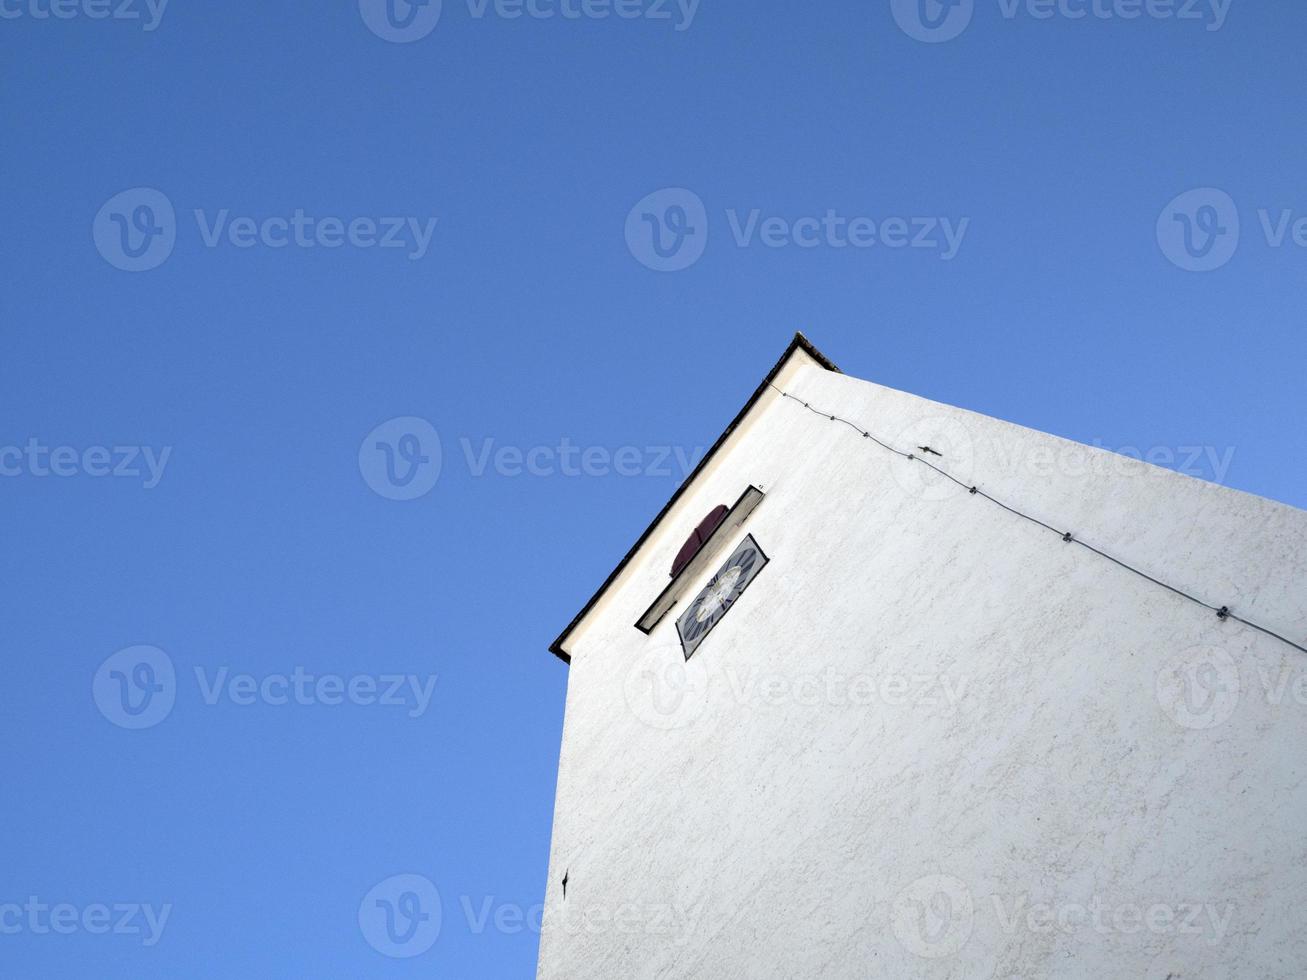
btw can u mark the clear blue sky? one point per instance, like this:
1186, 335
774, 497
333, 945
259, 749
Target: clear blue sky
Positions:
263, 548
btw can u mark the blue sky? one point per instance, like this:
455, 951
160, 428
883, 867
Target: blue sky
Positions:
330, 627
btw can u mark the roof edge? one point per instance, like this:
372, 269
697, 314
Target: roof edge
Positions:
800, 342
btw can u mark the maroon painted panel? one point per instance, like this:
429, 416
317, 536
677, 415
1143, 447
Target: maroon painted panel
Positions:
698, 537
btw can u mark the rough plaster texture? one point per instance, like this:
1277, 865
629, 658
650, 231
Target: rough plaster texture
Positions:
931, 740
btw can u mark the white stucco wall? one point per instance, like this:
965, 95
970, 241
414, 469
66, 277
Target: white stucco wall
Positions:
931, 740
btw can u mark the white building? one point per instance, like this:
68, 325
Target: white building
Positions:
921, 735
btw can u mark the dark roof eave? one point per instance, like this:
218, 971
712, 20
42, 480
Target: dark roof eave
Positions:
800, 342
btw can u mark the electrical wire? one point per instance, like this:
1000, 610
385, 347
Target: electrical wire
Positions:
1222, 612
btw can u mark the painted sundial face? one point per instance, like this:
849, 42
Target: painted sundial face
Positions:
711, 605
718, 593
